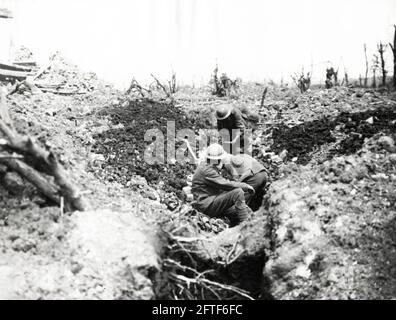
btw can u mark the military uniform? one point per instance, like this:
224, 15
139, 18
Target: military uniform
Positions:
217, 196
234, 121
245, 168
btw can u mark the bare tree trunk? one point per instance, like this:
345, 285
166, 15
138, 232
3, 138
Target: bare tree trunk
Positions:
374, 84
393, 47
366, 74
173, 84
381, 50
263, 97
45, 187
216, 81
160, 85
346, 79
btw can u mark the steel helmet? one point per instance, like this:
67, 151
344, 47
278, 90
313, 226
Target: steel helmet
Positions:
215, 152
237, 161
223, 111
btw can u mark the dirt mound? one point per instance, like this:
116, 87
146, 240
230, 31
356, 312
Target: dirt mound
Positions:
303, 140
117, 251
334, 228
123, 147
41, 247
49, 256
359, 126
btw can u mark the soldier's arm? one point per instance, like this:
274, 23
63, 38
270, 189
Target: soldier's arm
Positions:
219, 125
239, 122
214, 178
232, 171
245, 175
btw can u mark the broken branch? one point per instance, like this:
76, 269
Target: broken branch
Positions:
201, 281
263, 97
43, 160
46, 188
9, 156
161, 86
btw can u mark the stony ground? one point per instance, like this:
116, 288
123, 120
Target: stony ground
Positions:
326, 228
44, 252
335, 228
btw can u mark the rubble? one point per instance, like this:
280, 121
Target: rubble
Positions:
62, 77
325, 229
13, 183
387, 143
333, 223
23, 56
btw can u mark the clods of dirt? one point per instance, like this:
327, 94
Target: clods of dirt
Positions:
124, 146
334, 228
302, 140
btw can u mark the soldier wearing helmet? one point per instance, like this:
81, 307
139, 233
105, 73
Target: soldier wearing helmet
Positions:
231, 119
244, 168
215, 195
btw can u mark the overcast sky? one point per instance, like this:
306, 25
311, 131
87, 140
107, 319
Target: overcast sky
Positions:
252, 39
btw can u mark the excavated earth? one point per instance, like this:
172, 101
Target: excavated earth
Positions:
109, 252
325, 229
333, 218
124, 146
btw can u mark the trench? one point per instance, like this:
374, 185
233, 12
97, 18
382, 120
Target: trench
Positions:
123, 148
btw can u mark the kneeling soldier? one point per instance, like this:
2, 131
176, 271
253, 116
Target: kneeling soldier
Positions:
244, 168
215, 195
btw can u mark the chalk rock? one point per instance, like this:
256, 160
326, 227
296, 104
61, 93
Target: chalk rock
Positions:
119, 250
3, 169
387, 143
14, 183
187, 194
283, 155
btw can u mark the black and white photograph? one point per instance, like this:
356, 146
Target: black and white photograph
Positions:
205, 150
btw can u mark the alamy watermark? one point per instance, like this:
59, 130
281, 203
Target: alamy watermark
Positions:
184, 146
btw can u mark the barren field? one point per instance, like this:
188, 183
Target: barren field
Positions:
325, 230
